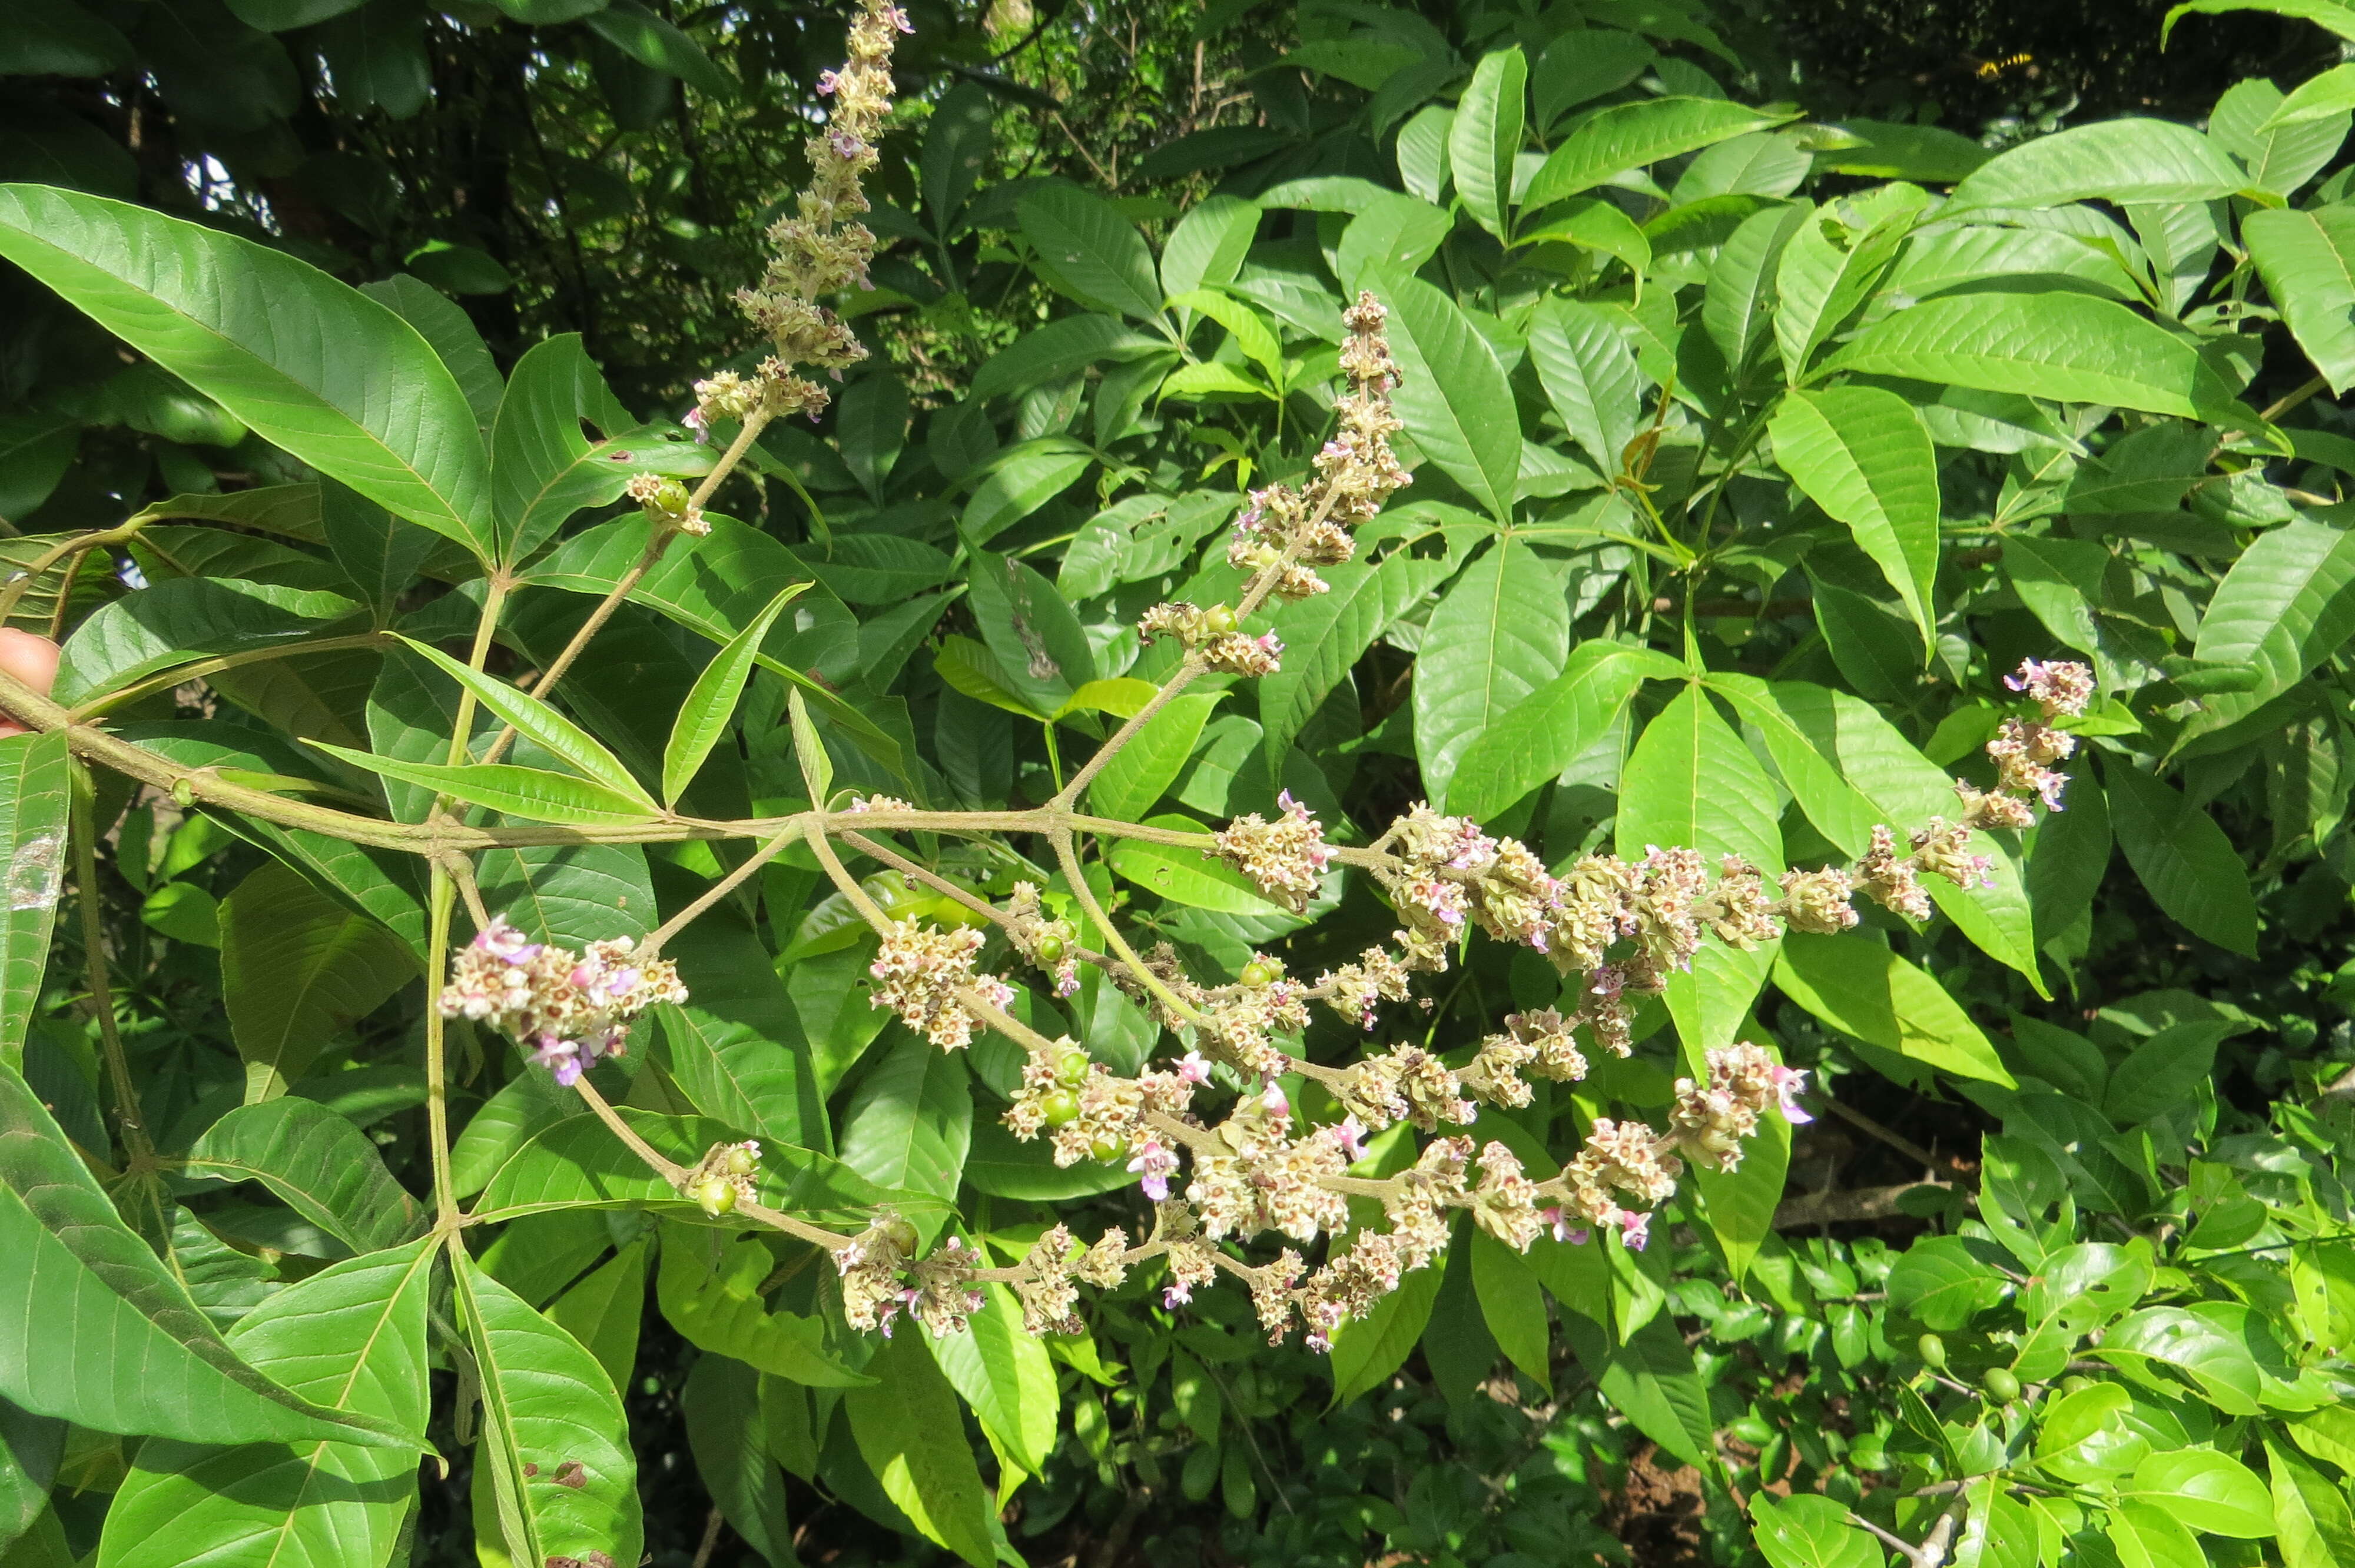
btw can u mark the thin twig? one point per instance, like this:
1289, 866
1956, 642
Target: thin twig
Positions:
101, 994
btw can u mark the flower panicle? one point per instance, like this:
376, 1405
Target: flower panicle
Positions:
569, 1008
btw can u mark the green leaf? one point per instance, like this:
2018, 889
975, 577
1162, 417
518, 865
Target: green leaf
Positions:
547, 1405
1513, 1306
351, 1337
1862, 455
2308, 261
1142, 771
2280, 157
1486, 136
2212, 1492
1207, 246
956, 150
1592, 223
1944, 1282
1590, 373
1501, 630
871, 426
1692, 782
1185, 875
309, 365
711, 702
1368, 1351
1552, 726
1630, 136
2166, 1070
102, 1334
1087, 249
179, 622
656, 44
735, 1045
1452, 393
911, 1121
1042, 653
2124, 161
532, 793
34, 780
297, 968
2183, 857
725, 1432
2323, 97
1002, 1370
1196, 383
1251, 335
2068, 346
1820, 281
577, 1162
1862, 988
2311, 1518
1809, 1531
1850, 769
2285, 605
316, 1163
1059, 349
540, 723
1737, 308
709, 1288
606, 1308
713, 590
1740, 1204
544, 470
1651, 1380
1326, 634
1022, 479
912, 1435
444, 326
571, 893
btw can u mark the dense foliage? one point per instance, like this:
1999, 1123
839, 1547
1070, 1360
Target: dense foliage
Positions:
1001, 814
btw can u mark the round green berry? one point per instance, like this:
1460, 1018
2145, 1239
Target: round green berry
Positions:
1072, 1067
1220, 620
740, 1160
1058, 1108
1256, 974
716, 1195
2001, 1385
1933, 1352
1050, 949
2075, 1383
903, 1237
1107, 1149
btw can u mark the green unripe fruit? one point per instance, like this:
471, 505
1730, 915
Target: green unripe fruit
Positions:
1107, 1149
2075, 1384
739, 1161
1071, 1067
1220, 620
1256, 974
1050, 949
716, 1195
1059, 1108
2001, 1385
903, 1236
1933, 1352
